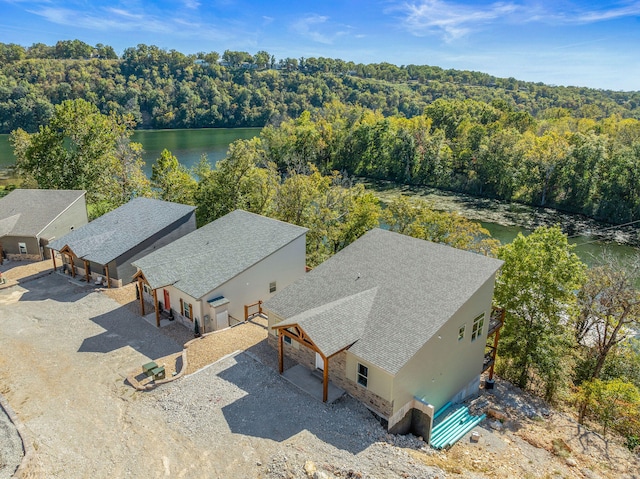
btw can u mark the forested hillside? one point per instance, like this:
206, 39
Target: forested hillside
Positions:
168, 89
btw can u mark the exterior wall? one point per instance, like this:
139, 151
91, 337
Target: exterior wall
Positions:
124, 271
445, 366
71, 218
284, 267
343, 372
378, 393
175, 295
12, 250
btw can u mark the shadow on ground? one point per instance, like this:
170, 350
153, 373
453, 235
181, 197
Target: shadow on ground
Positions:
40, 287
272, 408
123, 328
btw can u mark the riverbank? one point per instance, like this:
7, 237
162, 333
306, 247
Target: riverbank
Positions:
509, 214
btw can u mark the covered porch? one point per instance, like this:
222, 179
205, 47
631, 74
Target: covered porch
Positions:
315, 382
75, 264
312, 383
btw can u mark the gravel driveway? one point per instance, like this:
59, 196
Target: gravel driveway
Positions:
65, 351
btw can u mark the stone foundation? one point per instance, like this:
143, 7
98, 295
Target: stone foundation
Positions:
23, 257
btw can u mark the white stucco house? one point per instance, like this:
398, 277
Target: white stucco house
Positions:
399, 323
221, 273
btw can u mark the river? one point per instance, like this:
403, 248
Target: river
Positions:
503, 220
187, 145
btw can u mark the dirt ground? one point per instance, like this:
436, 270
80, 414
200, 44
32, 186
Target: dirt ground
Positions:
65, 351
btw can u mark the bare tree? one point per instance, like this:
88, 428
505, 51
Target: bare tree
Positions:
608, 306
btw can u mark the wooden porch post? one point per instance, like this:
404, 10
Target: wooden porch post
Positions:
496, 337
141, 294
86, 270
53, 258
325, 379
106, 269
73, 268
280, 352
155, 304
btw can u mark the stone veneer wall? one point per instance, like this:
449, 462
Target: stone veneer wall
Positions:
337, 375
23, 257
302, 355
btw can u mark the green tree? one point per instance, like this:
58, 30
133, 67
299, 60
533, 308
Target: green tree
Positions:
171, 180
237, 182
537, 287
614, 404
77, 149
415, 217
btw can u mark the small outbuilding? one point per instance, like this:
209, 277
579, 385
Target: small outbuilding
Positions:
221, 273
399, 323
30, 219
103, 250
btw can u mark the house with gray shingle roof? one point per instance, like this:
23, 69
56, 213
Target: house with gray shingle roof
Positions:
221, 272
30, 219
104, 249
398, 322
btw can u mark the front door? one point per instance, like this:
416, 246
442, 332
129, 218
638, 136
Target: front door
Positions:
319, 362
167, 305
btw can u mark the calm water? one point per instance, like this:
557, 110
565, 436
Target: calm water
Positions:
186, 145
189, 145
586, 248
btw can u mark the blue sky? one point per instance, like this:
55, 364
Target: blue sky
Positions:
562, 42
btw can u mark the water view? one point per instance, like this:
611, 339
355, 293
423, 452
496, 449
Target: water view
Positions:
187, 145
504, 222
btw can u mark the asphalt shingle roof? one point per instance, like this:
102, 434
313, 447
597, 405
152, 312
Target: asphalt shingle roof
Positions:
417, 285
113, 234
210, 256
26, 212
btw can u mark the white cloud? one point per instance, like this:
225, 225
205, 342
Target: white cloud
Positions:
107, 20
309, 27
454, 20
192, 4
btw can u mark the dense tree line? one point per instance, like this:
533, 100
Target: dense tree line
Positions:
168, 89
575, 164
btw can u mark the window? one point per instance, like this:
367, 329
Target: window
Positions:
22, 247
187, 310
363, 375
286, 339
461, 332
272, 287
478, 324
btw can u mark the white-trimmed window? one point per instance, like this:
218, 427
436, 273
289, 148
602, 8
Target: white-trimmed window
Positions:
461, 332
272, 287
478, 324
286, 339
22, 247
363, 375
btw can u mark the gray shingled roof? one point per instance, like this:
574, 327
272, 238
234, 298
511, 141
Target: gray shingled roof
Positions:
25, 212
117, 232
210, 256
418, 286
336, 325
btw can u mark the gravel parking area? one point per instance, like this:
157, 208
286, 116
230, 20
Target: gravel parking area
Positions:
249, 422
